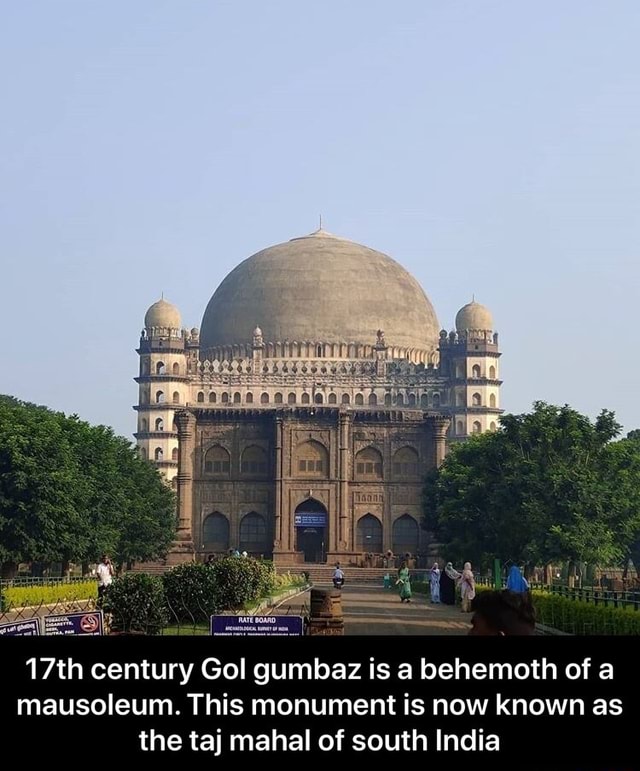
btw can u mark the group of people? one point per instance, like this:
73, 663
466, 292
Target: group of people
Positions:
444, 584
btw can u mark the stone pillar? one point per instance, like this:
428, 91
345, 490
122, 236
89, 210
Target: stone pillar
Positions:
342, 541
183, 549
277, 533
186, 447
440, 424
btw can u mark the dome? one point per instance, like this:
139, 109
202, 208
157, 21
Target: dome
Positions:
320, 288
474, 316
162, 314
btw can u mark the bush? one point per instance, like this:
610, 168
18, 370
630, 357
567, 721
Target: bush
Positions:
136, 603
191, 592
27, 596
241, 580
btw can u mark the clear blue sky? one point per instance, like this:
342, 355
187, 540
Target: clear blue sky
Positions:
491, 147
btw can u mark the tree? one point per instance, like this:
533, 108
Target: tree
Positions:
544, 487
70, 491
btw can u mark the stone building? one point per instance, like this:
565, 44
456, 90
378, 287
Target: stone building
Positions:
299, 421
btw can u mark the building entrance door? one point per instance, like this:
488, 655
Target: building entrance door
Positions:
311, 542
310, 521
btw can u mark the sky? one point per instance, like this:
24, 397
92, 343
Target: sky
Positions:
492, 148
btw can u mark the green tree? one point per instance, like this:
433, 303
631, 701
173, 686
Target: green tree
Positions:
543, 487
70, 491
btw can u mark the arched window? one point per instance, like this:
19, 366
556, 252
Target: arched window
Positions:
492, 372
215, 532
412, 400
237, 398
459, 428
159, 424
176, 397
249, 398
319, 351
253, 534
436, 400
174, 454
475, 371
477, 427
424, 401
400, 400
305, 398
225, 398
406, 463
333, 399
200, 396
254, 461
359, 399
318, 399
212, 397
476, 400
368, 464
492, 400
278, 398
373, 400
460, 398
159, 397
460, 371
160, 369
405, 535
345, 399
143, 453
312, 460
291, 399
158, 454
217, 461
144, 425
369, 534
176, 369
264, 398
387, 400
493, 426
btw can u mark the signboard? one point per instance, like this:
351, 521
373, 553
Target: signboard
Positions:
27, 628
90, 623
256, 626
319, 519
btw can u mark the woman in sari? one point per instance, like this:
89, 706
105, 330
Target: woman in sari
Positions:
405, 583
448, 579
516, 582
434, 578
467, 587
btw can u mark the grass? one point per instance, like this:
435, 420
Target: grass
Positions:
28, 596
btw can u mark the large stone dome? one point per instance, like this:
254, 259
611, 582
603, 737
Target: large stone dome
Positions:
320, 288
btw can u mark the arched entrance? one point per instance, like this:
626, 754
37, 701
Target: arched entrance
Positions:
310, 522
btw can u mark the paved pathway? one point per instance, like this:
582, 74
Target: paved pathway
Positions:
371, 610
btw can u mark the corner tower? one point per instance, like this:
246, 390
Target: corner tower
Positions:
163, 386
469, 357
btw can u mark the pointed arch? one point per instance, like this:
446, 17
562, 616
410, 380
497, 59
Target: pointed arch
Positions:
369, 534
405, 535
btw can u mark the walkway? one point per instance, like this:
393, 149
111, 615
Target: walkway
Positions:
370, 610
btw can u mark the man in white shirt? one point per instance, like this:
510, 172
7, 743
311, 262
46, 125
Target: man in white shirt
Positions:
104, 572
338, 577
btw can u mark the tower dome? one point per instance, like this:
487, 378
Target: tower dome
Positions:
474, 316
162, 314
321, 288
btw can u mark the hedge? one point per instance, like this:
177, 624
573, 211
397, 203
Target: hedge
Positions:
584, 618
28, 596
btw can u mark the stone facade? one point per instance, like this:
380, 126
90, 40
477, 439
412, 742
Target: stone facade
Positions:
314, 450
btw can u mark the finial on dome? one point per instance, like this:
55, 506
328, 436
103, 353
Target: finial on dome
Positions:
474, 317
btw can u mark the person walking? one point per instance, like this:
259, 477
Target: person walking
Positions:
105, 572
516, 582
434, 579
448, 579
404, 582
467, 587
